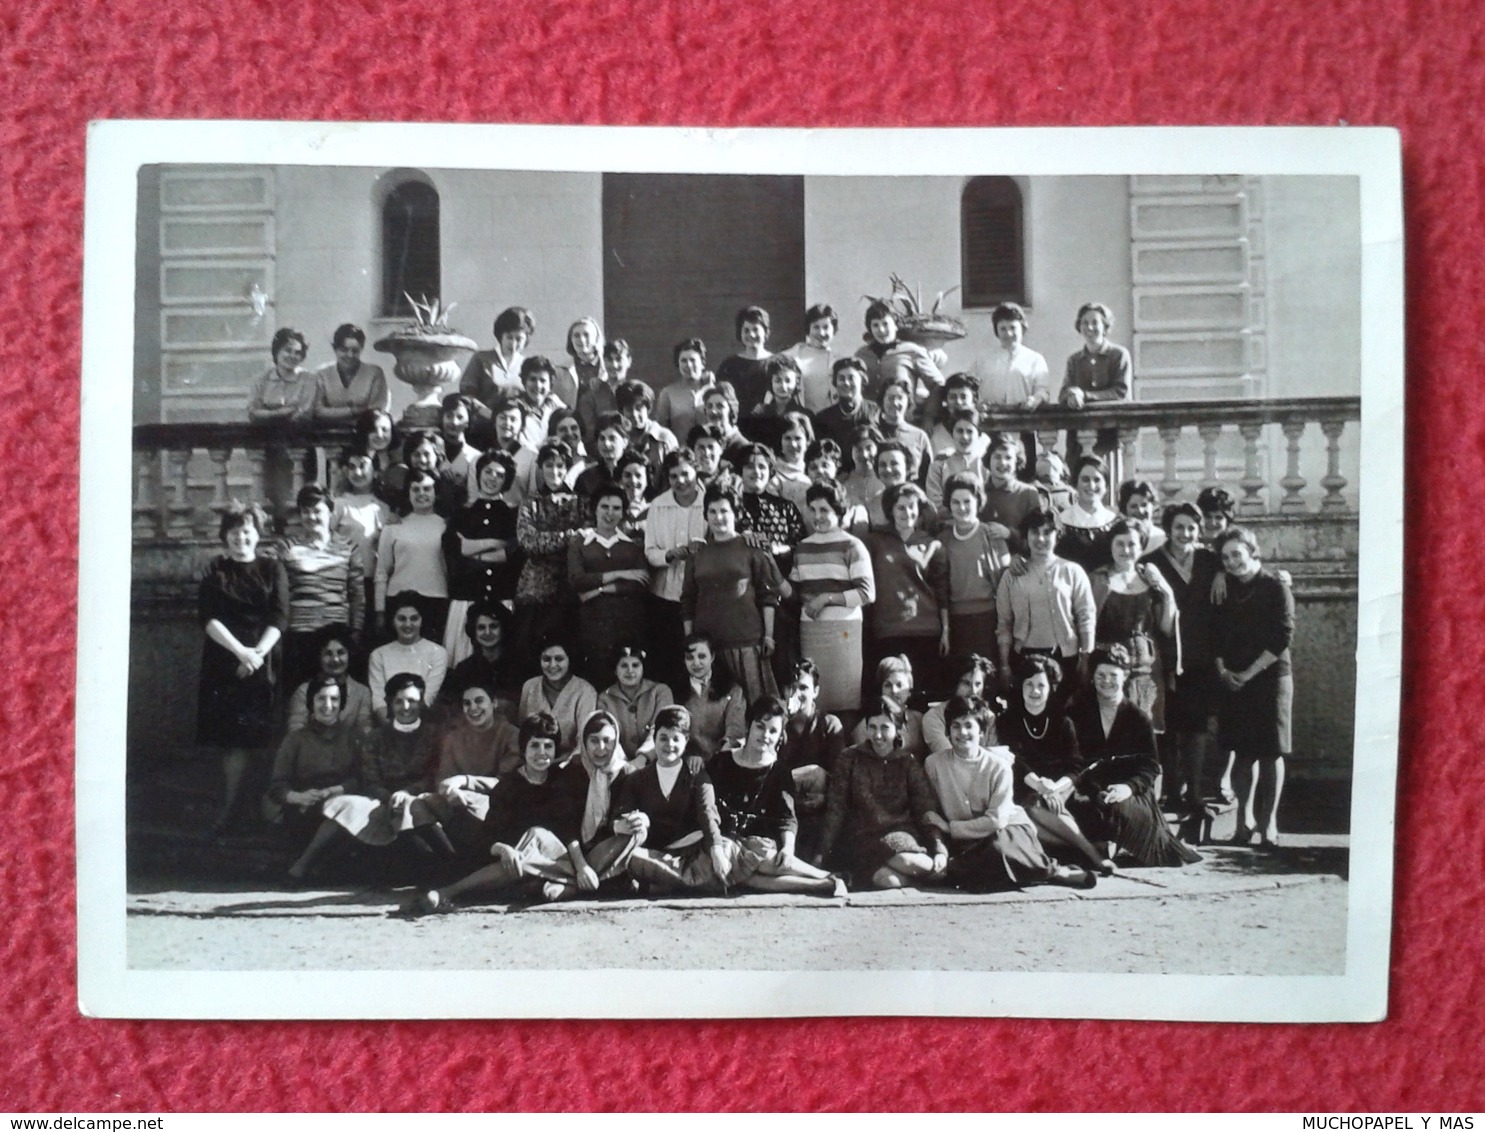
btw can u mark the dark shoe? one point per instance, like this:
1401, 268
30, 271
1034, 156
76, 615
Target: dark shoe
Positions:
1071, 876
427, 903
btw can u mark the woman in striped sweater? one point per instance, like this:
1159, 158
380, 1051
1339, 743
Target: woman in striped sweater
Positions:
832, 571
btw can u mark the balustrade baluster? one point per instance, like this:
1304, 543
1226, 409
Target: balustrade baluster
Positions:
296, 465
1252, 481
1293, 482
1171, 486
149, 521
1210, 434
179, 524
1129, 452
220, 496
1333, 482
1046, 441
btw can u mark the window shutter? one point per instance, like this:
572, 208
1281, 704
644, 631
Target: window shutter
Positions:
993, 261
410, 247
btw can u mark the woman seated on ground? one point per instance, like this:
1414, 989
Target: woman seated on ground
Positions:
878, 805
395, 778
1114, 800
755, 804
335, 662
409, 652
317, 761
533, 815
632, 699
993, 843
714, 699
674, 800
570, 699
488, 627
473, 755
974, 674
1047, 762
894, 681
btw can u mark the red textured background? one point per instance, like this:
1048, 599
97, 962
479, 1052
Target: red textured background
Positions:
1418, 66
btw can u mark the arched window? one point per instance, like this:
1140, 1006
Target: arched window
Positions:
410, 246
993, 261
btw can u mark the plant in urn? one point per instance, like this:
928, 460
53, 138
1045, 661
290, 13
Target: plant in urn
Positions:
929, 329
430, 354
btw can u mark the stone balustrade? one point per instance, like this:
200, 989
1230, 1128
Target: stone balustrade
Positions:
1212, 423
187, 474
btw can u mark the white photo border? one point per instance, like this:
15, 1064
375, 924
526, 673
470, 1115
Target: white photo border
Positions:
107, 987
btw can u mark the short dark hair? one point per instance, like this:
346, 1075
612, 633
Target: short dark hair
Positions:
840, 365
1130, 488
1116, 655
1035, 520
963, 481
618, 347
717, 494
694, 345
823, 447
893, 494
1031, 663
493, 609
781, 363
407, 599
537, 363
1216, 500
804, 667
283, 337
890, 709
512, 319
1175, 510
399, 680
753, 452
752, 314
962, 381
313, 493
345, 332
238, 514
967, 707
672, 718
877, 310
821, 310
610, 419
318, 681
554, 450
960, 415
726, 391
503, 461
831, 493
767, 707
1007, 312
675, 459
631, 393
540, 725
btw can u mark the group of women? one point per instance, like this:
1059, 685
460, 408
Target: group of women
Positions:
590, 653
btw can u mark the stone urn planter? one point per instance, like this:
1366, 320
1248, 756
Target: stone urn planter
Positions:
929, 329
430, 355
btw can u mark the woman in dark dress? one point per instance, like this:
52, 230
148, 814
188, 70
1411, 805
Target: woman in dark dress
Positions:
878, 804
1191, 681
608, 571
481, 550
1252, 631
244, 609
1115, 798
1048, 761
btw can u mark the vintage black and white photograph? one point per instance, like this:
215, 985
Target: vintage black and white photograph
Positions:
603, 572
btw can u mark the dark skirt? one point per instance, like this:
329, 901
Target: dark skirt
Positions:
233, 712
1256, 720
1136, 825
1009, 859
